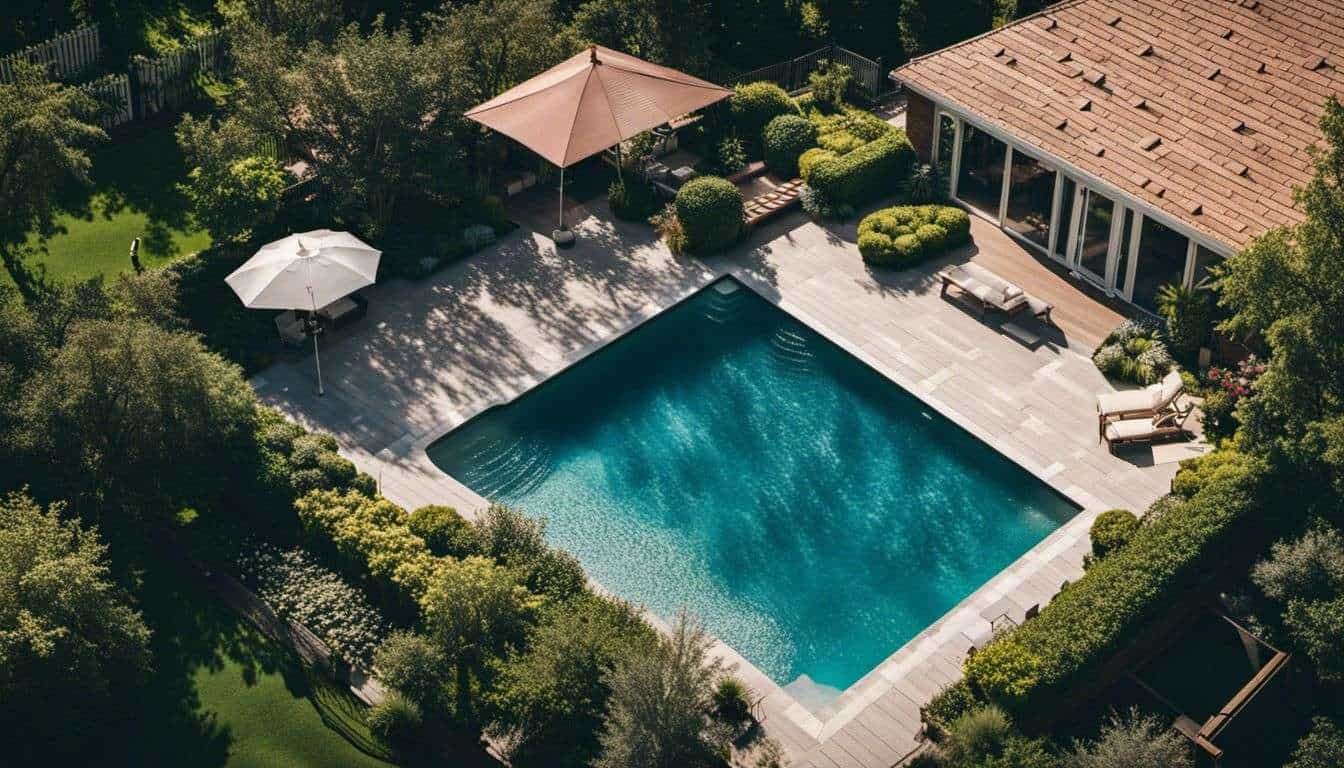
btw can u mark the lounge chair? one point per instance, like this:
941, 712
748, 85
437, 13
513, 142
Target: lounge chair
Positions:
1149, 401
1147, 429
991, 291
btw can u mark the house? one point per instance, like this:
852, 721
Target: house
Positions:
1135, 142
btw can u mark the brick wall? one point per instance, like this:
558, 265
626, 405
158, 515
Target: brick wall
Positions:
919, 125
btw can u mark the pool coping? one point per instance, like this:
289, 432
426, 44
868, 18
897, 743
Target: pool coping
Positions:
902, 669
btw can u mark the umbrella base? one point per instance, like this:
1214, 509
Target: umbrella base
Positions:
564, 238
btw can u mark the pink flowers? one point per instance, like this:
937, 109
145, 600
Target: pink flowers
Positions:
1237, 383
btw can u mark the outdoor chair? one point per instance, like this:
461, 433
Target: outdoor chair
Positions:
989, 291
1163, 426
1147, 402
291, 328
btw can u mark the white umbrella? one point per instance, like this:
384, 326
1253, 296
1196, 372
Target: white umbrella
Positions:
305, 271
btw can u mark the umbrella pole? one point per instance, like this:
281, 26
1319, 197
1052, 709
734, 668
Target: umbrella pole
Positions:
317, 356
562, 198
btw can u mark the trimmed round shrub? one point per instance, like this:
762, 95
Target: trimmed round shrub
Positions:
811, 157
932, 238
1004, 670
753, 105
710, 211
957, 223
905, 234
443, 529
784, 139
396, 721
953, 701
1112, 530
869, 173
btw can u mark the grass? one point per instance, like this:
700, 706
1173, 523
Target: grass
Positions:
134, 194
223, 695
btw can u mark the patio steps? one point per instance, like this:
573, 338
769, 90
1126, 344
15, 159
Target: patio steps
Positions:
776, 201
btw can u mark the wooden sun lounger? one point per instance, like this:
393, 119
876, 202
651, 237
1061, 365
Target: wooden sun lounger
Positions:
1149, 401
989, 291
1163, 426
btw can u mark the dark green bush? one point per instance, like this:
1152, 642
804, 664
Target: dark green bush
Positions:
396, 721
731, 701
754, 105
785, 139
633, 200
1112, 530
869, 173
978, 734
443, 529
924, 186
1032, 668
906, 234
1322, 747
710, 211
1218, 413
951, 702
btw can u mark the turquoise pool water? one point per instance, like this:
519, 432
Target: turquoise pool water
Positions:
726, 458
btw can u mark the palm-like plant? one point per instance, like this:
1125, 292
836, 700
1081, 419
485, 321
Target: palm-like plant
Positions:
1188, 312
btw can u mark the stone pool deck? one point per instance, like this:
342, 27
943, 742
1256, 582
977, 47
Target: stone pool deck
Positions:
431, 355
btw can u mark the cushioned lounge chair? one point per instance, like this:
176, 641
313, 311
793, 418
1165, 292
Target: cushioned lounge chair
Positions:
990, 291
1147, 429
1149, 401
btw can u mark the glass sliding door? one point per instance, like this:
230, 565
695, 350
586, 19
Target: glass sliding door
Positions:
947, 144
1031, 193
1120, 280
1064, 224
980, 173
1094, 236
1160, 260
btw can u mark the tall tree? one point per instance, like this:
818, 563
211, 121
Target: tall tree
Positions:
1285, 287
928, 25
67, 635
475, 610
658, 710
45, 134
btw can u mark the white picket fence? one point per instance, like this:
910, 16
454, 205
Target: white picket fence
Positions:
63, 56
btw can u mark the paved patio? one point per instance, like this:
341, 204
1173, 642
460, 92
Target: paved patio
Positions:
431, 355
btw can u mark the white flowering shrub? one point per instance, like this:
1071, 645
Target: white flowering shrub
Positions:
297, 587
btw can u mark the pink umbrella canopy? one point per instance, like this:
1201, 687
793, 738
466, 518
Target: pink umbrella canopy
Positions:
593, 101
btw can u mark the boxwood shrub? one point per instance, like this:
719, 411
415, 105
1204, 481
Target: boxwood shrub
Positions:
905, 234
710, 211
785, 139
1112, 530
1034, 668
866, 174
753, 105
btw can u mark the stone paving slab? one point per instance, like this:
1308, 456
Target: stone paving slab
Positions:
433, 354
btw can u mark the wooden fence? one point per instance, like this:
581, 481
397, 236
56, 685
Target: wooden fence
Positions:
869, 78
177, 79
63, 56
114, 93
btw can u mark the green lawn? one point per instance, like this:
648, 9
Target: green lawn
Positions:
224, 696
134, 194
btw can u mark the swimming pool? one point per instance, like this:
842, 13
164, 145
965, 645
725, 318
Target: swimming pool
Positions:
726, 458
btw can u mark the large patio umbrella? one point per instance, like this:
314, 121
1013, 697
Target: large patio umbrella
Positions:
590, 102
305, 271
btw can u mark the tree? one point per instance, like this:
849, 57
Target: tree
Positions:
234, 190
45, 135
414, 665
1285, 287
658, 710
135, 418
67, 635
1322, 747
491, 45
474, 610
1317, 627
1310, 567
298, 21
928, 25
550, 698
1133, 740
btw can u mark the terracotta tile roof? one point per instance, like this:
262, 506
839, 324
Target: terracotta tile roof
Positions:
1212, 103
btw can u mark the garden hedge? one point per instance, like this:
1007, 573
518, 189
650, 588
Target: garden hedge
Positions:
710, 211
784, 139
866, 174
1112, 530
1035, 668
753, 105
906, 234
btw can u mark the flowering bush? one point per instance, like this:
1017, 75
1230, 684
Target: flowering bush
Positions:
297, 587
1237, 383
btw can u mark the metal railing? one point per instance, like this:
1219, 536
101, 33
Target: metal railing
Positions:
870, 80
